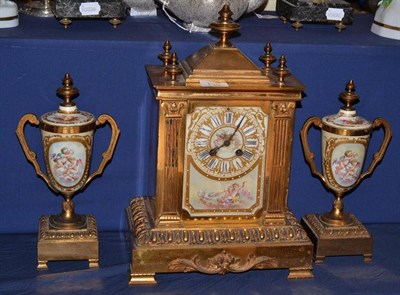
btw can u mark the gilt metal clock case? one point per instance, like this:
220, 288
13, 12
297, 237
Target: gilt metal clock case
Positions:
223, 165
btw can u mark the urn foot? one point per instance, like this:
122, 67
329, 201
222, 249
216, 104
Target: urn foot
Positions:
64, 244
353, 239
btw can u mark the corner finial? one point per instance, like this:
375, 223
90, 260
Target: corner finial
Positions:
165, 56
282, 71
267, 58
174, 69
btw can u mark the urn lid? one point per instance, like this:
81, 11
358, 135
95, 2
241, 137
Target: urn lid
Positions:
67, 119
347, 118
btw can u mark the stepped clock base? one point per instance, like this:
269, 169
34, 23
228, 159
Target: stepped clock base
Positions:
214, 251
328, 240
76, 244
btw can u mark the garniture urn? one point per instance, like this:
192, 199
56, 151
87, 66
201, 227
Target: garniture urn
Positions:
345, 139
67, 138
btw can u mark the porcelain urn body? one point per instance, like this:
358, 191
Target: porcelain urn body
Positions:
345, 138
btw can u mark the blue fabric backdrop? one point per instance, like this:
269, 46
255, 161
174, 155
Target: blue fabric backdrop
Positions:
107, 65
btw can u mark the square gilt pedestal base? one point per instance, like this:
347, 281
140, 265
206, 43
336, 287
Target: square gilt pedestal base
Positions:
79, 244
216, 250
328, 240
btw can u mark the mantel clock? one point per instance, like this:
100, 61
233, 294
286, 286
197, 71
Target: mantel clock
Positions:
224, 148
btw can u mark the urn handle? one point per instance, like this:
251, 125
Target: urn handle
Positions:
309, 156
30, 155
107, 155
377, 124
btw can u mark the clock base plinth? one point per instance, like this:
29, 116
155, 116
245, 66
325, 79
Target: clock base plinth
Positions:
73, 244
214, 250
353, 239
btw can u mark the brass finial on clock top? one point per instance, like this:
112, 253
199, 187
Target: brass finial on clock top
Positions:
174, 69
282, 71
225, 26
223, 167
267, 58
165, 56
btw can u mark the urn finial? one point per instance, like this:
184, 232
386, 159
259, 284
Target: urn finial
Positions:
67, 91
349, 97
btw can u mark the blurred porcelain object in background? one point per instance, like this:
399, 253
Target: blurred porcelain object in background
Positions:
201, 13
142, 7
254, 4
8, 14
387, 20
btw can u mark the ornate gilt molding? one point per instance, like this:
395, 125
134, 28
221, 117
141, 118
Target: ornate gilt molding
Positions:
87, 233
146, 235
139, 220
281, 159
173, 109
283, 109
356, 229
222, 263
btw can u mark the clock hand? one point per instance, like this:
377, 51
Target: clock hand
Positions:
227, 142
214, 150
239, 152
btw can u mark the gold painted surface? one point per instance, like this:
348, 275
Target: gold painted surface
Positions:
222, 263
280, 156
352, 239
67, 236
346, 132
336, 232
67, 129
57, 245
231, 248
387, 26
337, 216
169, 236
8, 18
146, 234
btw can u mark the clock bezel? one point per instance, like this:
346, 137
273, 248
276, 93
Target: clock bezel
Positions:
213, 215
199, 117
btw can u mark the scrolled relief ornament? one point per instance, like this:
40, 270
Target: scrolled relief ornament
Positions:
222, 263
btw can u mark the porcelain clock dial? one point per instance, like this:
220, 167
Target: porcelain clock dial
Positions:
225, 152
226, 142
